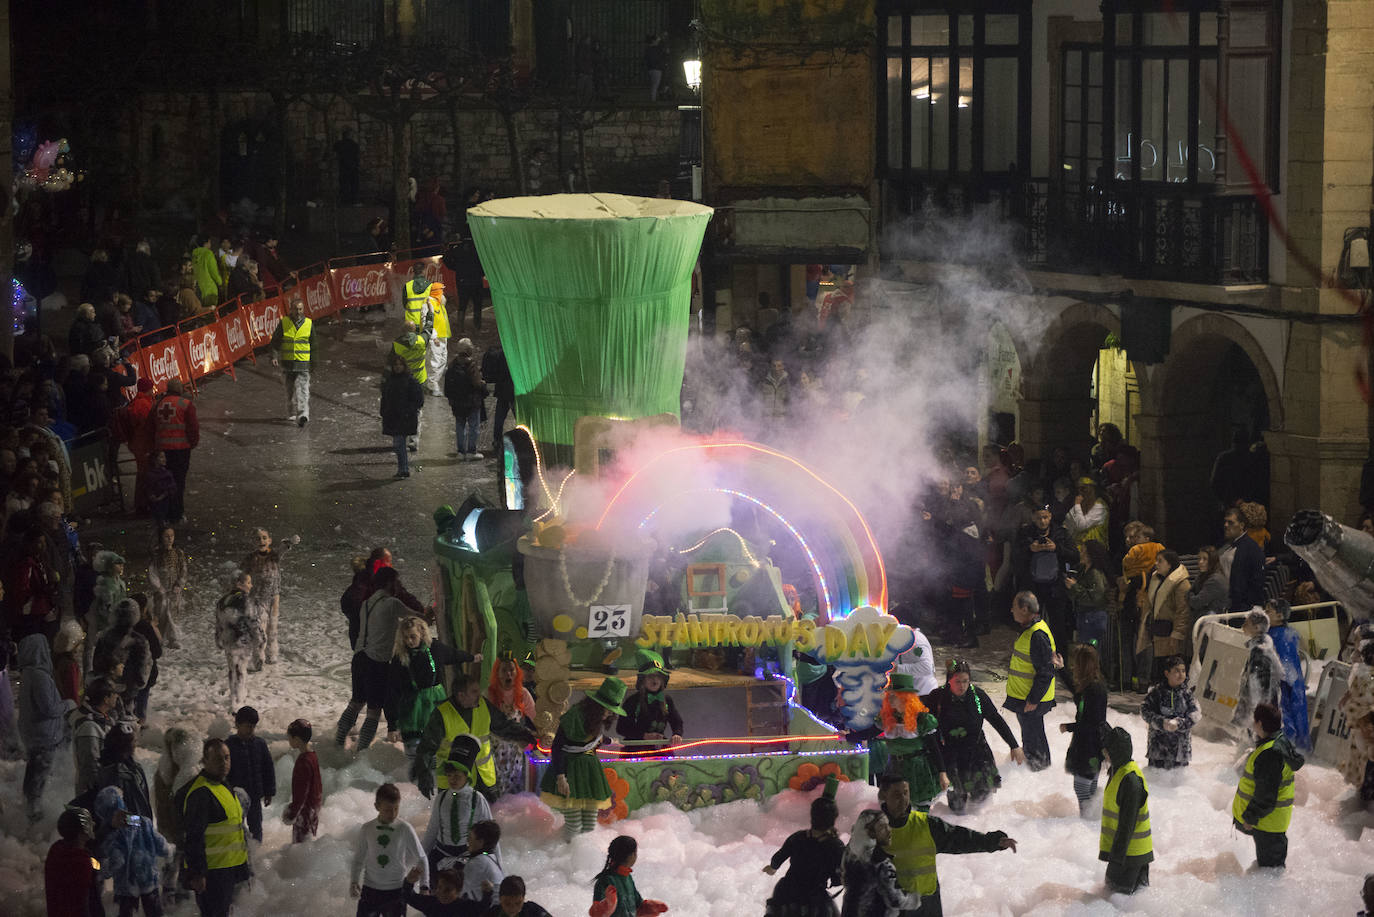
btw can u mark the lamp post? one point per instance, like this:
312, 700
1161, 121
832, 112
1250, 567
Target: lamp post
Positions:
692, 71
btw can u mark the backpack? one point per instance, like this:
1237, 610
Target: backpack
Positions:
1044, 567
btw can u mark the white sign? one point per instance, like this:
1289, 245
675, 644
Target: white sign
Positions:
1330, 731
1219, 670
608, 621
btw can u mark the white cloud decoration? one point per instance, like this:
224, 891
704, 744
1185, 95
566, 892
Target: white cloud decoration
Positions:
862, 647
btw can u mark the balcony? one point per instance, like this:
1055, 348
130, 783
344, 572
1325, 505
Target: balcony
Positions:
1189, 235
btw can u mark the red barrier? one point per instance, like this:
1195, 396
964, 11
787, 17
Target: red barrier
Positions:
237, 337
362, 285
262, 318
317, 296
206, 351
162, 362
434, 271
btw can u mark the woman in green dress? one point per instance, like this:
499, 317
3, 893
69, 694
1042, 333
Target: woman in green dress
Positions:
574, 782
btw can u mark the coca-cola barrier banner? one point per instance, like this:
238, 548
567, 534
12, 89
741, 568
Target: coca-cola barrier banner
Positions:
199, 352
206, 351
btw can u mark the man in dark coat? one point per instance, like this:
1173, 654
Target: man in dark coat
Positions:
1247, 564
201, 802
496, 371
1121, 816
1041, 552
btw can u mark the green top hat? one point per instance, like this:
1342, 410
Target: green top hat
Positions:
611, 695
652, 664
462, 754
901, 681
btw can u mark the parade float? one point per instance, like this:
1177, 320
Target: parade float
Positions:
619, 539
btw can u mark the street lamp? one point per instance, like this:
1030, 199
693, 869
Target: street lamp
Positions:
692, 70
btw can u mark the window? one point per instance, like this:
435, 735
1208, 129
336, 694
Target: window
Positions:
1164, 98
1080, 128
956, 98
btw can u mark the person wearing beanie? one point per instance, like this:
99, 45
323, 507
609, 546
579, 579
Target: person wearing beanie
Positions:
1125, 844
71, 882
651, 717
960, 709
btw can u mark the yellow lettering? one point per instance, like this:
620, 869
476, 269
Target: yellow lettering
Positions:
718, 630
750, 631
834, 642
731, 630
858, 642
886, 629
777, 629
804, 632
648, 634
700, 631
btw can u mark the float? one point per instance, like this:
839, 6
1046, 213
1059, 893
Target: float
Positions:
620, 539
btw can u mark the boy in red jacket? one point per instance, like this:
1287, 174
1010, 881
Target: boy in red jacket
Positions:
70, 873
307, 792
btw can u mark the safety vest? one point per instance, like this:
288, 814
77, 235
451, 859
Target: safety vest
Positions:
480, 730
438, 310
1022, 671
295, 340
414, 355
416, 299
171, 423
225, 843
1276, 822
1140, 837
913, 855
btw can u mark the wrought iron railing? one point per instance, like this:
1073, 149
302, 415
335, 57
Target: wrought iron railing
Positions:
1158, 232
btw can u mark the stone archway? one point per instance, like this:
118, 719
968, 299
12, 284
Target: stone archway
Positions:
1057, 406
1216, 379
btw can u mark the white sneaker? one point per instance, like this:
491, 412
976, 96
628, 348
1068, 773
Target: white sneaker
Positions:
477, 456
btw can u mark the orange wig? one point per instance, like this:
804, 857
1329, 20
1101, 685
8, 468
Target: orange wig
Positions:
911, 707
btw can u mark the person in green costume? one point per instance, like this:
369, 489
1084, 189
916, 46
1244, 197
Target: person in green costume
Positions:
574, 782
910, 742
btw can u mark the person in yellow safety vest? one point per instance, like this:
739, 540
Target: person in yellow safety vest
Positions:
1030, 679
1125, 844
464, 713
417, 296
293, 346
215, 833
410, 346
918, 837
437, 355
1263, 806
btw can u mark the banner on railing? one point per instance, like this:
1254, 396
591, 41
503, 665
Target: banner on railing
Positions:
262, 318
206, 351
236, 334
162, 362
316, 295
92, 482
362, 285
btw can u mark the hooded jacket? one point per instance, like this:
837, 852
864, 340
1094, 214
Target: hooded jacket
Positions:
120, 635
1130, 796
40, 705
128, 855
89, 727
1268, 775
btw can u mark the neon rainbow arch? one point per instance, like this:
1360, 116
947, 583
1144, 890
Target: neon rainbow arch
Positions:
837, 542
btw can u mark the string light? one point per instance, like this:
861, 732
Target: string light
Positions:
539, 471
744, 545
638, 753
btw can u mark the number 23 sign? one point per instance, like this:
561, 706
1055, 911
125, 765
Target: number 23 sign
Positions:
608, 621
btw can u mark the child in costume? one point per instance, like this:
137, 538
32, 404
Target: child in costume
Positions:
1171, 712
960, 709
482, 872
650, 714
506, 692
574, 783
816, 857
614, 893
457, 807
307, 789
910, 745
415, 680
129, 853
386, 858
238, 633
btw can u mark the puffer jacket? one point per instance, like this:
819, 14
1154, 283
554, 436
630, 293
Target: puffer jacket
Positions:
128, 855
121, 636
41, 707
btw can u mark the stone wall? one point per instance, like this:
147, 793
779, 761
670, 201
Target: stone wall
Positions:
181, 138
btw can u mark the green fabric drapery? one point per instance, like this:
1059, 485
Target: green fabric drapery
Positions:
591, 294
